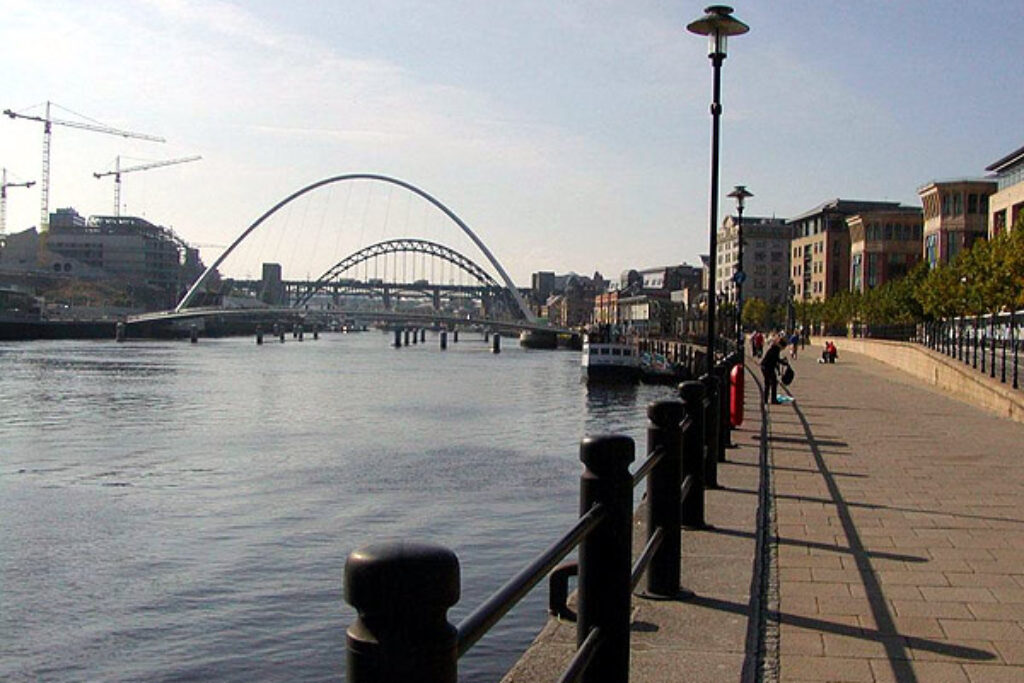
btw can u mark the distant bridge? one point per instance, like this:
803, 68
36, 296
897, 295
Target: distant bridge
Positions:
393, 246
224, 321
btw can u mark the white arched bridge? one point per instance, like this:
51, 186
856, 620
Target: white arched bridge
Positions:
413, 282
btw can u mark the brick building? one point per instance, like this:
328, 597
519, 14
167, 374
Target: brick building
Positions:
884, 245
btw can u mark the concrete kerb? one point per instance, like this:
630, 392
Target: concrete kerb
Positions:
724, 632
946, 374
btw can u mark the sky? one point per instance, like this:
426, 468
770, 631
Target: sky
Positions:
569, 136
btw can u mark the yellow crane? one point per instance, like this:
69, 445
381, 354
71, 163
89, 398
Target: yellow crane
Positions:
141, 167
48, 123
3, 199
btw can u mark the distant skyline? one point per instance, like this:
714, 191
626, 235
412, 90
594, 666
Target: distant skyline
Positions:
569, 136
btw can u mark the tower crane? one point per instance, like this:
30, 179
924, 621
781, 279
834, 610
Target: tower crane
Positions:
48, 123
3, 199
141, 167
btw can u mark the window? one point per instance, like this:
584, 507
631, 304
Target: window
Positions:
998, 222
972, 203
958, 203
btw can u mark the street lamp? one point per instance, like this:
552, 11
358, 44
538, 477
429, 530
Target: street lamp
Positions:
739, 194
791, 309
717, 24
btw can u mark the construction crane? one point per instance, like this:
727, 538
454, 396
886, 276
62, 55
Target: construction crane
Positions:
3, 199
141, 167
48, 123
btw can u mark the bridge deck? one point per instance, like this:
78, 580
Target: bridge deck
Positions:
897, 538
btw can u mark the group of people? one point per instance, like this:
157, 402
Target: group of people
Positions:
775, 366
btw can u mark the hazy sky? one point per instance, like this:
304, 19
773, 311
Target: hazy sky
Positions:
569, 135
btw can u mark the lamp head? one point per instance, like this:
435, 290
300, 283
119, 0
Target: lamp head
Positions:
717, 24
740, 194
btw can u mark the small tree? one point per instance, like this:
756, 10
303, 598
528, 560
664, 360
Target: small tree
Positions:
755, 313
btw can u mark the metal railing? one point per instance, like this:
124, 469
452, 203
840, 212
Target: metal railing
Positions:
991, 344
402, 591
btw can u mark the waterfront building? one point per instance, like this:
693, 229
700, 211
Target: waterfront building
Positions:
1007, 203
820, 251
765, 258
573, 305
884, 246
956, 215
645, 301
152, 260
542, 285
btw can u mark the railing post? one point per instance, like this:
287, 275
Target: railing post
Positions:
1002, 371
692, 507
663, 496
1016, 344
992, 337
711, 430
605, 555
402, 592
974, 341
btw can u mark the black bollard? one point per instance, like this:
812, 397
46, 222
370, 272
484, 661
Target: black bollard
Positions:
423, 335
604, 586
415, 337
406, 337
259, 335
444, 340
398, 339
711, 430
119, 332
301, 332
402, 592
316, 332
455, 336
692, 506
496, 343
193, 334
663, 496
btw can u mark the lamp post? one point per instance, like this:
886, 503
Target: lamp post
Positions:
740, 194
717, 24
791, 309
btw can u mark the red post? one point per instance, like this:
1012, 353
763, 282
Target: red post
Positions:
736, 395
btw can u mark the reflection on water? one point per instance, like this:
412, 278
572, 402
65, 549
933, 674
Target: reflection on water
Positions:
177, 511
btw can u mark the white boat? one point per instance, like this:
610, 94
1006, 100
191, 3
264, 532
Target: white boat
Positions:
609, 356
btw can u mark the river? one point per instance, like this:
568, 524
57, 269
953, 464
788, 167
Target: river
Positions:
171, 511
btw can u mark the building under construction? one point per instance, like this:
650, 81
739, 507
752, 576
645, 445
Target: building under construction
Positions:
152, 260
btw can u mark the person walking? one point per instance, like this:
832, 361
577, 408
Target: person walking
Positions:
770, 368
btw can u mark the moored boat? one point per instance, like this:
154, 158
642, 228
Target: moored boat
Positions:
610, 356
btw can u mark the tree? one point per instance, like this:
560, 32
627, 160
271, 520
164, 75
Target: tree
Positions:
755, 313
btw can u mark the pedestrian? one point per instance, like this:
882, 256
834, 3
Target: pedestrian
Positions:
758, 341
794, 344
770, 368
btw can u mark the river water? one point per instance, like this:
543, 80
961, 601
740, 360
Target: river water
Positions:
172, 511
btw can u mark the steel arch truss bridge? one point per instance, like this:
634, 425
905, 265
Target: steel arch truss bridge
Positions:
493, 295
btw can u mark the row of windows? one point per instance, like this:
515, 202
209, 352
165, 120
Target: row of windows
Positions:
953, 204
876, 232
1011, 177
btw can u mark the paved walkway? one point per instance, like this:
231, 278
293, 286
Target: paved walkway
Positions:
900, 531
896, 545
